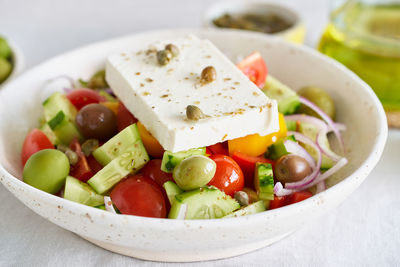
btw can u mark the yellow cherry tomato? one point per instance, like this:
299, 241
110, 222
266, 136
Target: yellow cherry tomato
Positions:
113, 106
151, 144
254, 144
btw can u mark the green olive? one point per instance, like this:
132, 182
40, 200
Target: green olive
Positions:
46, 170
291, 168
5, 69
194, 172
5, 50
320, 98
98, 80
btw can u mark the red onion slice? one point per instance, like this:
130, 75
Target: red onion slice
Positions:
296, 149
321, 186
280, 191
326, 118
342, 162
326, 150
109, 205
310, 178
340, 126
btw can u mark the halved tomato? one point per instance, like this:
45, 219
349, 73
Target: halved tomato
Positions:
254, 67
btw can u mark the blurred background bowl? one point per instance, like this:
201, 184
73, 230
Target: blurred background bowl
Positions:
17, 61
295, 33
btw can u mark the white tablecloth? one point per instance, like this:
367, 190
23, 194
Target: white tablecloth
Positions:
363, 231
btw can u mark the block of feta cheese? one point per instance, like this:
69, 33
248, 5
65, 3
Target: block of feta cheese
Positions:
158, 95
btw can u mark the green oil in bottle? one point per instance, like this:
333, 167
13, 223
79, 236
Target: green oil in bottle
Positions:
366, 38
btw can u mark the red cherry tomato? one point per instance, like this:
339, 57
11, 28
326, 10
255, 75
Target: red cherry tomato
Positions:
299, 196
290, 199
81, 169
228, 176
82, 97
254, 67
139, 195
35, 141
219, 148
124, 117
248, 165
153, 170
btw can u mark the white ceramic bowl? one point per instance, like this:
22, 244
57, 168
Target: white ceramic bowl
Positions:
17, 61
295, 33
176, 240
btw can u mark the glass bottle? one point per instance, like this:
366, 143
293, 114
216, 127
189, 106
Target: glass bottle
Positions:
364, 35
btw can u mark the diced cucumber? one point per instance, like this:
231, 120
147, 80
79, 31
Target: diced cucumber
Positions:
58, 102
312, 131
288, 100
50, 134
132, 160
63, 128
278, 149
264, 181
81, 192
203, 203
172, 190
170, 160
117, 145
253, 208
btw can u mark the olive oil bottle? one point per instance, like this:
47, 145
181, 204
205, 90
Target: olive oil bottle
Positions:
365, 36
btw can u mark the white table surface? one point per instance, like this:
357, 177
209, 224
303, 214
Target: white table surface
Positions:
363, 231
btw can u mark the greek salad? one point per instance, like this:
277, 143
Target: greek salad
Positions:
89, 148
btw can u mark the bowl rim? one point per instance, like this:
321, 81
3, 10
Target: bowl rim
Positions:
160, 223
209, 16
18, 61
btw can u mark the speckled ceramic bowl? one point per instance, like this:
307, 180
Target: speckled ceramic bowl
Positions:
176, 240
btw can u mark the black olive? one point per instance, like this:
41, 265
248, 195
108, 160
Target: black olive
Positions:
291, 168
96, 121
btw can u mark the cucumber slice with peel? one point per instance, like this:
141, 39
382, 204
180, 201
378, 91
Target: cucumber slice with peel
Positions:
203, 203
117, 145
264, 181
253, 208
81, 192
131, 161
172, 190
171, 160
58, 102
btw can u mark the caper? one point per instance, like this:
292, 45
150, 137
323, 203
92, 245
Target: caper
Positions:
164, 57
242, 198
320, 98
194, 113
72, 156
291, 168
89, 146
173, 49
98, 80
253, 197
194, 172
209, 74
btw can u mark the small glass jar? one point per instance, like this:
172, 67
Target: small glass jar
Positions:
364, 35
